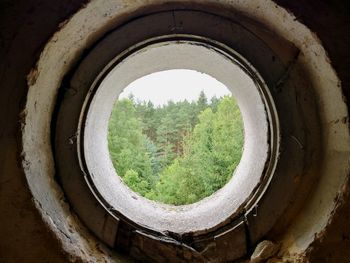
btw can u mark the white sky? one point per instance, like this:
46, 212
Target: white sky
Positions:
175, 85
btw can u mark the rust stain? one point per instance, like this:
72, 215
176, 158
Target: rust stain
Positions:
32, 76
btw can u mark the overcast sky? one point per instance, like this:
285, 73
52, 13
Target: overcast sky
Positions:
175, 85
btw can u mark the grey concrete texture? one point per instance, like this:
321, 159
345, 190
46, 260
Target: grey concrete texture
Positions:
25, 27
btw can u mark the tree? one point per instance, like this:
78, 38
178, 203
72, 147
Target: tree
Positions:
127, 144
136, 183
228, 138
202, 102
211, 153
177, 153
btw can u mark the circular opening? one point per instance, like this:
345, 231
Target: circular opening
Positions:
255, 43
224, 65
175, 136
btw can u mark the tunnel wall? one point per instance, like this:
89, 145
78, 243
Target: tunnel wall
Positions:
25, 27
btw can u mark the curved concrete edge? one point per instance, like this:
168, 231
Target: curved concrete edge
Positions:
93, 21
59, 55
330, 192
317, 212
223, 203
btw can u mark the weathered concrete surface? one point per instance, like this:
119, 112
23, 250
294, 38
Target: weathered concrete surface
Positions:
25, 27
263, 251
330, 20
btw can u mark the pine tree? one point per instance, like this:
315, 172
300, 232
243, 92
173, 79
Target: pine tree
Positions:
177, 153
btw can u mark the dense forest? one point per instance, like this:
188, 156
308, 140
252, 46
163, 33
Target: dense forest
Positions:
176, 153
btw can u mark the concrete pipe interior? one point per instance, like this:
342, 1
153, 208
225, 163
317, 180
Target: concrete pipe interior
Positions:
292, 69
213, 210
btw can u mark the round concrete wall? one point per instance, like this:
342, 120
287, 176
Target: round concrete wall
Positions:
33, 207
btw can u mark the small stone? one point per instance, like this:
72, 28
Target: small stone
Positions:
263, 251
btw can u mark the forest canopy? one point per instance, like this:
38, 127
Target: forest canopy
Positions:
177, 153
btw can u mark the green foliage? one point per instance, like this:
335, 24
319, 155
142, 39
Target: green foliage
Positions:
135, 182
127, 144
178, 153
